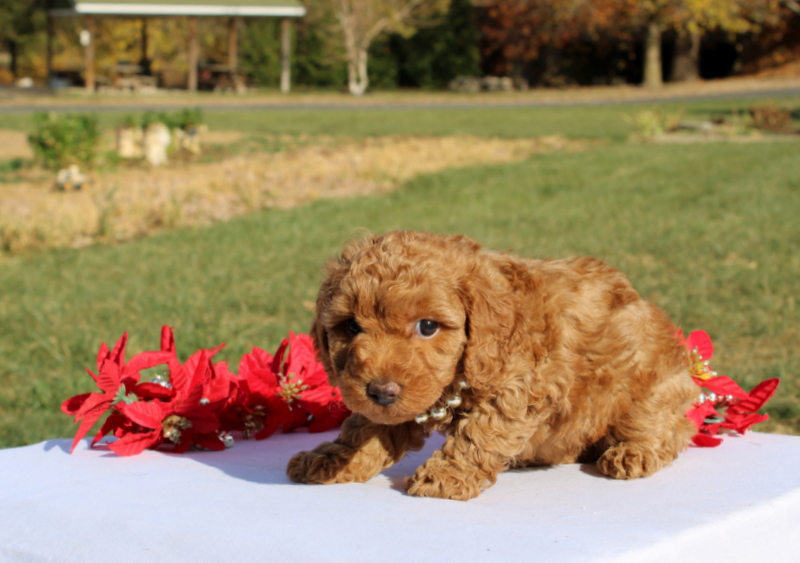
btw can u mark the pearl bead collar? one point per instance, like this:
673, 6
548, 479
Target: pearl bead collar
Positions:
439, 412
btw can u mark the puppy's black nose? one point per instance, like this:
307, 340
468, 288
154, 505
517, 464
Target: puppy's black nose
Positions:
383, 393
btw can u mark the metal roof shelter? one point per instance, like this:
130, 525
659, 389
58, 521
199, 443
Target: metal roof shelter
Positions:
89, 9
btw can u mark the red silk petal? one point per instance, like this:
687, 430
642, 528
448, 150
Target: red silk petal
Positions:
72, 405
275, 366
219, 386
256, 359
303, 361
118, 353
86, 425
743, 423
203, 420
263, 383
702, 341
167, 339
186, 441
758, 397
150, 390
189, 401
723, 385
114, 421
102, 355
699, 413
706, 441
94, 403
199, 369
145, 360
199, 362
149, 415
296, 418
109, 377
209, 441
267, 431
135, 443
178, 375
333, 415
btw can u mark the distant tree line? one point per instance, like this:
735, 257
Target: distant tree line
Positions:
357, 44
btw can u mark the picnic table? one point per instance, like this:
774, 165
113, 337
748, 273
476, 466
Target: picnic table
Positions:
127, 77
220, 78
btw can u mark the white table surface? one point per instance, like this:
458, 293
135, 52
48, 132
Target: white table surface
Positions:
737, 502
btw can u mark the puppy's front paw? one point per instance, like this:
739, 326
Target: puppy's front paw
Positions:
441, 478
321, 466
630, 460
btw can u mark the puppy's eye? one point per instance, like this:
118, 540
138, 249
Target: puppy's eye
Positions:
352, 327
427, 328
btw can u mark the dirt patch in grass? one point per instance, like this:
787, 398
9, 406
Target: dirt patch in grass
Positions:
135, 202
14, 144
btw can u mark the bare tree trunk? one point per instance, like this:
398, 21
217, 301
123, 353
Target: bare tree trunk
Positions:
357, 77
356, 52
652, 59
361, 26
89, 56
686, 60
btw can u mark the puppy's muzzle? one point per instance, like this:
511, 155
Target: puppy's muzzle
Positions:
383, 393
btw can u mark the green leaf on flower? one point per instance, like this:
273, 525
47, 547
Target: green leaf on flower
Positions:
122, 397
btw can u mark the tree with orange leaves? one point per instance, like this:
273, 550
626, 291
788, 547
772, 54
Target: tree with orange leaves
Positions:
521, 29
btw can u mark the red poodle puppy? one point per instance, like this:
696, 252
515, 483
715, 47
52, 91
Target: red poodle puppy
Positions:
518, 362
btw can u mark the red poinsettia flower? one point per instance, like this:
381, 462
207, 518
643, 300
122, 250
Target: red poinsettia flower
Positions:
199, 402
186, 418
306, 382
743, 415
287, 395
261, 409
700, 351
739, 409
115, 378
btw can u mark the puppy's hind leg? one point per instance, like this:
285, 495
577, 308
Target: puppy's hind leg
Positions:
653, 432
362, 450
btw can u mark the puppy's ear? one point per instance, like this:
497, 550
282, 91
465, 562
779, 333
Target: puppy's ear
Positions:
319, 334
320, 339
504, 310
335, 271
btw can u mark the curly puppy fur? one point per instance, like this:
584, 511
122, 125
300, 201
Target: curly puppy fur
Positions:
564, 361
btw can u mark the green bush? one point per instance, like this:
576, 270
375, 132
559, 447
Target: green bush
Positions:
441, 50
436, 54
312, 63
187, 119
61, 140
260, 51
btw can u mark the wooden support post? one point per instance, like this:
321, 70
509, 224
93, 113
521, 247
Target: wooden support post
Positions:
233, 44
286, 48
89, 79
193, 54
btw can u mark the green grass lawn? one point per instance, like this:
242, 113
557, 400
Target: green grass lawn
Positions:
710, 232
581, 121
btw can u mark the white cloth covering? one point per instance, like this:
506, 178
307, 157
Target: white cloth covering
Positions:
737, 502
